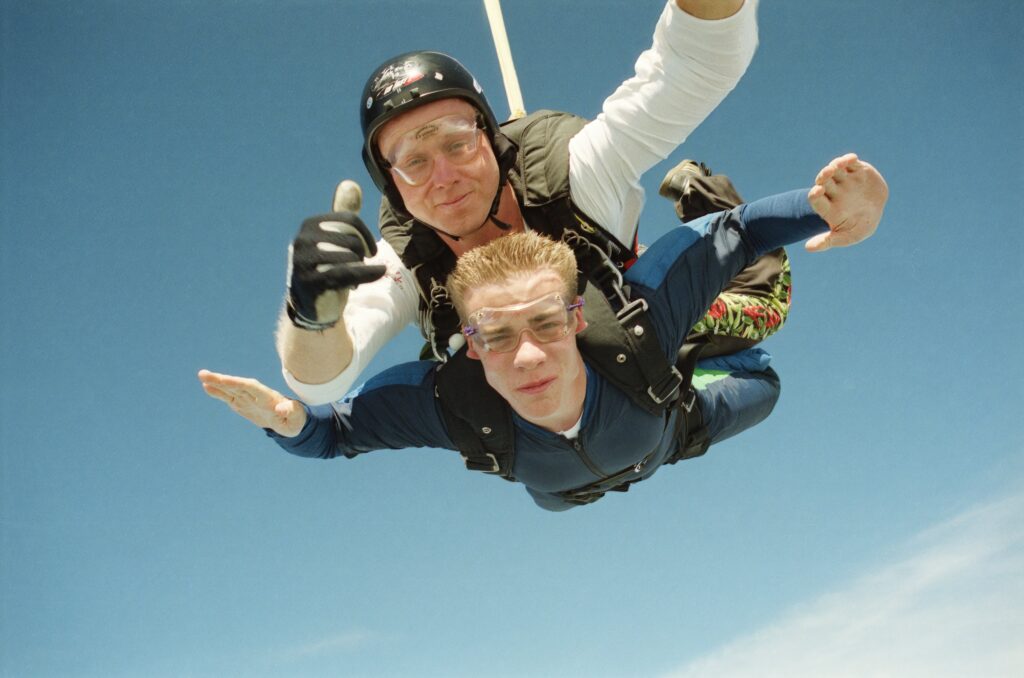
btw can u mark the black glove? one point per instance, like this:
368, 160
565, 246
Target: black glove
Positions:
324, 261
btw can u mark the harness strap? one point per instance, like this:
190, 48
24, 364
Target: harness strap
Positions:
697, 439
696, 443
483, 429
623, 346
691, 422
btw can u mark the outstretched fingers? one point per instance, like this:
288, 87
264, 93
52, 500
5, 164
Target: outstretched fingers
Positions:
849, 195
256, 402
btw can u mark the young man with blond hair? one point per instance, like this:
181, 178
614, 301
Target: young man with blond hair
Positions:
576, 434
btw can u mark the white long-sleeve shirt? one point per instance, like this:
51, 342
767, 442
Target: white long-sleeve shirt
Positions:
688, 70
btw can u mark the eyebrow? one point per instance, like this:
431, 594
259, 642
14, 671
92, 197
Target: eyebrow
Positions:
493, 330
541, 315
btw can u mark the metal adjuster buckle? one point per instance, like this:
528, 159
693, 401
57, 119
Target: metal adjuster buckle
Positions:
476, 465
676, 381
688, 400
631, 310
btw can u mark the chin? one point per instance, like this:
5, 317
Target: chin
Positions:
536, 411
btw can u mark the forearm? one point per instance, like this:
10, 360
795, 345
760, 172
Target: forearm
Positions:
779, 220
332, 361
710, 9
318, 437
310, 356
683, 272
689, 69
397, 409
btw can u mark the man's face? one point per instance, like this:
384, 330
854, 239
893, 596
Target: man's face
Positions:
456, 197
544, 382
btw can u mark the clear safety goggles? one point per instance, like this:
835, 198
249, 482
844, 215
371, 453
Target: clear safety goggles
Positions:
454, 136
500, 329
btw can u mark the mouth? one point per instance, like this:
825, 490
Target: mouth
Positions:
454, 202
535, 387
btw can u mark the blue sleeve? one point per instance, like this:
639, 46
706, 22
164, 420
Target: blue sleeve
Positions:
684, 270
780, 220
396, 409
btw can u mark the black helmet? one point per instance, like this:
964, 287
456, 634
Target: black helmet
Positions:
405, 82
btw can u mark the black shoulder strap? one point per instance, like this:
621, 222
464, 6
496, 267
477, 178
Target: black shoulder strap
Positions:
541, 175
479, 420
624, 348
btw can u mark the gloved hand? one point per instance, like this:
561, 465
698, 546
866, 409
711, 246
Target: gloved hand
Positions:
325, 261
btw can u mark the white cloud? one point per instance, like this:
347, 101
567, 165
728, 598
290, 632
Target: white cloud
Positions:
340, 642
343, 641
954, 606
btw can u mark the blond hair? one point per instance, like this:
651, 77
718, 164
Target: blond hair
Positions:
507, 257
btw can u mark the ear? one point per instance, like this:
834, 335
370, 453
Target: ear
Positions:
581, 322
471, 350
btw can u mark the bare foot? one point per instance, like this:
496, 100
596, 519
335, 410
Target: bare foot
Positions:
850, 195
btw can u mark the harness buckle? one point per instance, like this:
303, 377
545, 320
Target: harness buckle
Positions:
669, 389
480, 464
631, 310
688, 400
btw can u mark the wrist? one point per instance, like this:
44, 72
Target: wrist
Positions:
304, 323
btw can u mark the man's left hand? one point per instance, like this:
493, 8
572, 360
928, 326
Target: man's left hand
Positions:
850, 195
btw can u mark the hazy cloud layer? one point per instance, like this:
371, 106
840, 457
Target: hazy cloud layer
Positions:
952, 606
339, 643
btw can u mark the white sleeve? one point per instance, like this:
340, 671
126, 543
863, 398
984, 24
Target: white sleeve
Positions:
691, 66
375, 313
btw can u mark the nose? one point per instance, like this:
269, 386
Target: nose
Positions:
443, 170
529, 353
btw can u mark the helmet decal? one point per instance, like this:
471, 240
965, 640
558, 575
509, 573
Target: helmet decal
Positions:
395, 77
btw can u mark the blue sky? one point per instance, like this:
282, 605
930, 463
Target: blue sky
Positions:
157, 157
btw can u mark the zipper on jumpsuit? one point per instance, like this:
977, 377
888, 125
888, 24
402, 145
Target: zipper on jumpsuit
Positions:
593, 468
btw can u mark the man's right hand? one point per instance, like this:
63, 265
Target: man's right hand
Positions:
258, 403
325, 261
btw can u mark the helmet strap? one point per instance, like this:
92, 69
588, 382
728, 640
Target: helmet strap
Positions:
492, 217
505, 152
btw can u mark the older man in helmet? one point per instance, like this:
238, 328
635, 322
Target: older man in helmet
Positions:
454, 179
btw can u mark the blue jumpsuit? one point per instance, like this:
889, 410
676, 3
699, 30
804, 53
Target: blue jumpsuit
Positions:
679, 276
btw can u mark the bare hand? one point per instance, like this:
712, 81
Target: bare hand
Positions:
260, 404
850, 195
